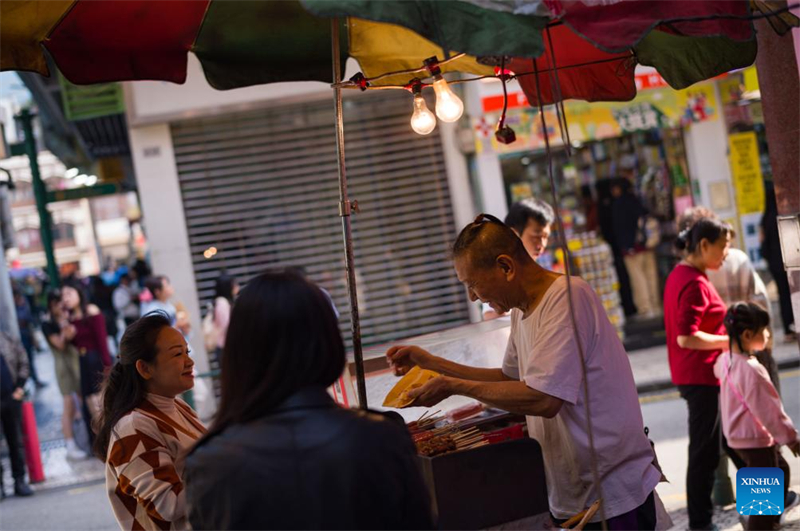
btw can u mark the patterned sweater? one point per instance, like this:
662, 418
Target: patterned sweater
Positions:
144, 466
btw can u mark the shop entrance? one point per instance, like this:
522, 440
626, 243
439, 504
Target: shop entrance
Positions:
618, 198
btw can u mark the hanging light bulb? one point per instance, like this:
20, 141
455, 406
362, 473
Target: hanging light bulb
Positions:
423, 121
449, 107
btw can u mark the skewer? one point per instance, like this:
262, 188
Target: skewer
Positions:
425, 414
476, 445
467, 433
468, 440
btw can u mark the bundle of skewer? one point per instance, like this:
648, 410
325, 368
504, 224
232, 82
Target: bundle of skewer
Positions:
445, 439
469, 439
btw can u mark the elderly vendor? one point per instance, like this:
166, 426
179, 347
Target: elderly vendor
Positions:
542, 378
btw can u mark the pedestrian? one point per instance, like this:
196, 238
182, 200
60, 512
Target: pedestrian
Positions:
126, 300
605, 221
281, 453
737, 280
101, 296
225, 292
91, 341
771, 251
13, 374
753, 418
142, 269
542, 377
145, 430
693, 319
25, 321
628, 218
532, 220
59, 333
159, 292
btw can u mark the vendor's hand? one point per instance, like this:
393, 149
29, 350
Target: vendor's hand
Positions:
18, 394
433, 392
794, 447
403, 358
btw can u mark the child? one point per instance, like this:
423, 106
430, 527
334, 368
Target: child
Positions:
753, 418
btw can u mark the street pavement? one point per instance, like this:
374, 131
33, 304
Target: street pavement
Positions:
665, 414
73, 494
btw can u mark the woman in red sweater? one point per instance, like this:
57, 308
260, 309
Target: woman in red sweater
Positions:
91, 341
694, 320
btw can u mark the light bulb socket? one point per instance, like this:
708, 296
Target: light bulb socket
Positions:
415, 85
360, 81
432, 64
505, 135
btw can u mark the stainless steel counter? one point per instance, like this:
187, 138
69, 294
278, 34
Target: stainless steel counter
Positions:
480, 345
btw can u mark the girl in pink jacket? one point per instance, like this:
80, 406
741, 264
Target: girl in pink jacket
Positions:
753, 419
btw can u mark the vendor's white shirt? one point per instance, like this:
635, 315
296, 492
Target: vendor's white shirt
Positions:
542, 352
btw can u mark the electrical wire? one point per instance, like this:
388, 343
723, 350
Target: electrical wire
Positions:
502, 122
567, 269
404, 72
353, 85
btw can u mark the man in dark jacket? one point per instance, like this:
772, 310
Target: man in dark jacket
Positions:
14, 371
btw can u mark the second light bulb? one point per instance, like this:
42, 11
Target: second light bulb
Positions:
449, 107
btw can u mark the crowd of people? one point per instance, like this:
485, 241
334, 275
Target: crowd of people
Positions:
280, 453
82, 323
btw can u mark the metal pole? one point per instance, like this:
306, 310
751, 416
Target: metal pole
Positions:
40, 192
345, 209
8, 311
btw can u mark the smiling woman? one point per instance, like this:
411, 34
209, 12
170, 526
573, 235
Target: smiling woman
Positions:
145, 430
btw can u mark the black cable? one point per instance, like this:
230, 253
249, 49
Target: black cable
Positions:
502, 121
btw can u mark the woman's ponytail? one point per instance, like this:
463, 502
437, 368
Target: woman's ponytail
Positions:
123, 387
682, 241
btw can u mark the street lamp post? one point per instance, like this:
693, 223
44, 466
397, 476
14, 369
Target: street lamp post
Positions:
40, 193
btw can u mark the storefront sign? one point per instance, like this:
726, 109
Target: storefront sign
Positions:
746, 170
659, 107
639, 117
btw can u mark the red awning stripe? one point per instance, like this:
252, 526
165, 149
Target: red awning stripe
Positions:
122, 40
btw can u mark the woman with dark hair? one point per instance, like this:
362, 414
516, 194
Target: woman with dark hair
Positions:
91, 341
281, 453
59, 332
694, 321
145, 431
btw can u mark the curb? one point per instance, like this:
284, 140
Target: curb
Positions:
663, 385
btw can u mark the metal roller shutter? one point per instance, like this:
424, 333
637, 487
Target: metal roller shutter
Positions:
261, 186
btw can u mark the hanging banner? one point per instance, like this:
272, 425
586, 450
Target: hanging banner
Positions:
746, 170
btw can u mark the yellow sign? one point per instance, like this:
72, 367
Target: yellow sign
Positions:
746, 170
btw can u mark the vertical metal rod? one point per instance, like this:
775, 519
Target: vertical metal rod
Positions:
344, 212
8, 311
40, 193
